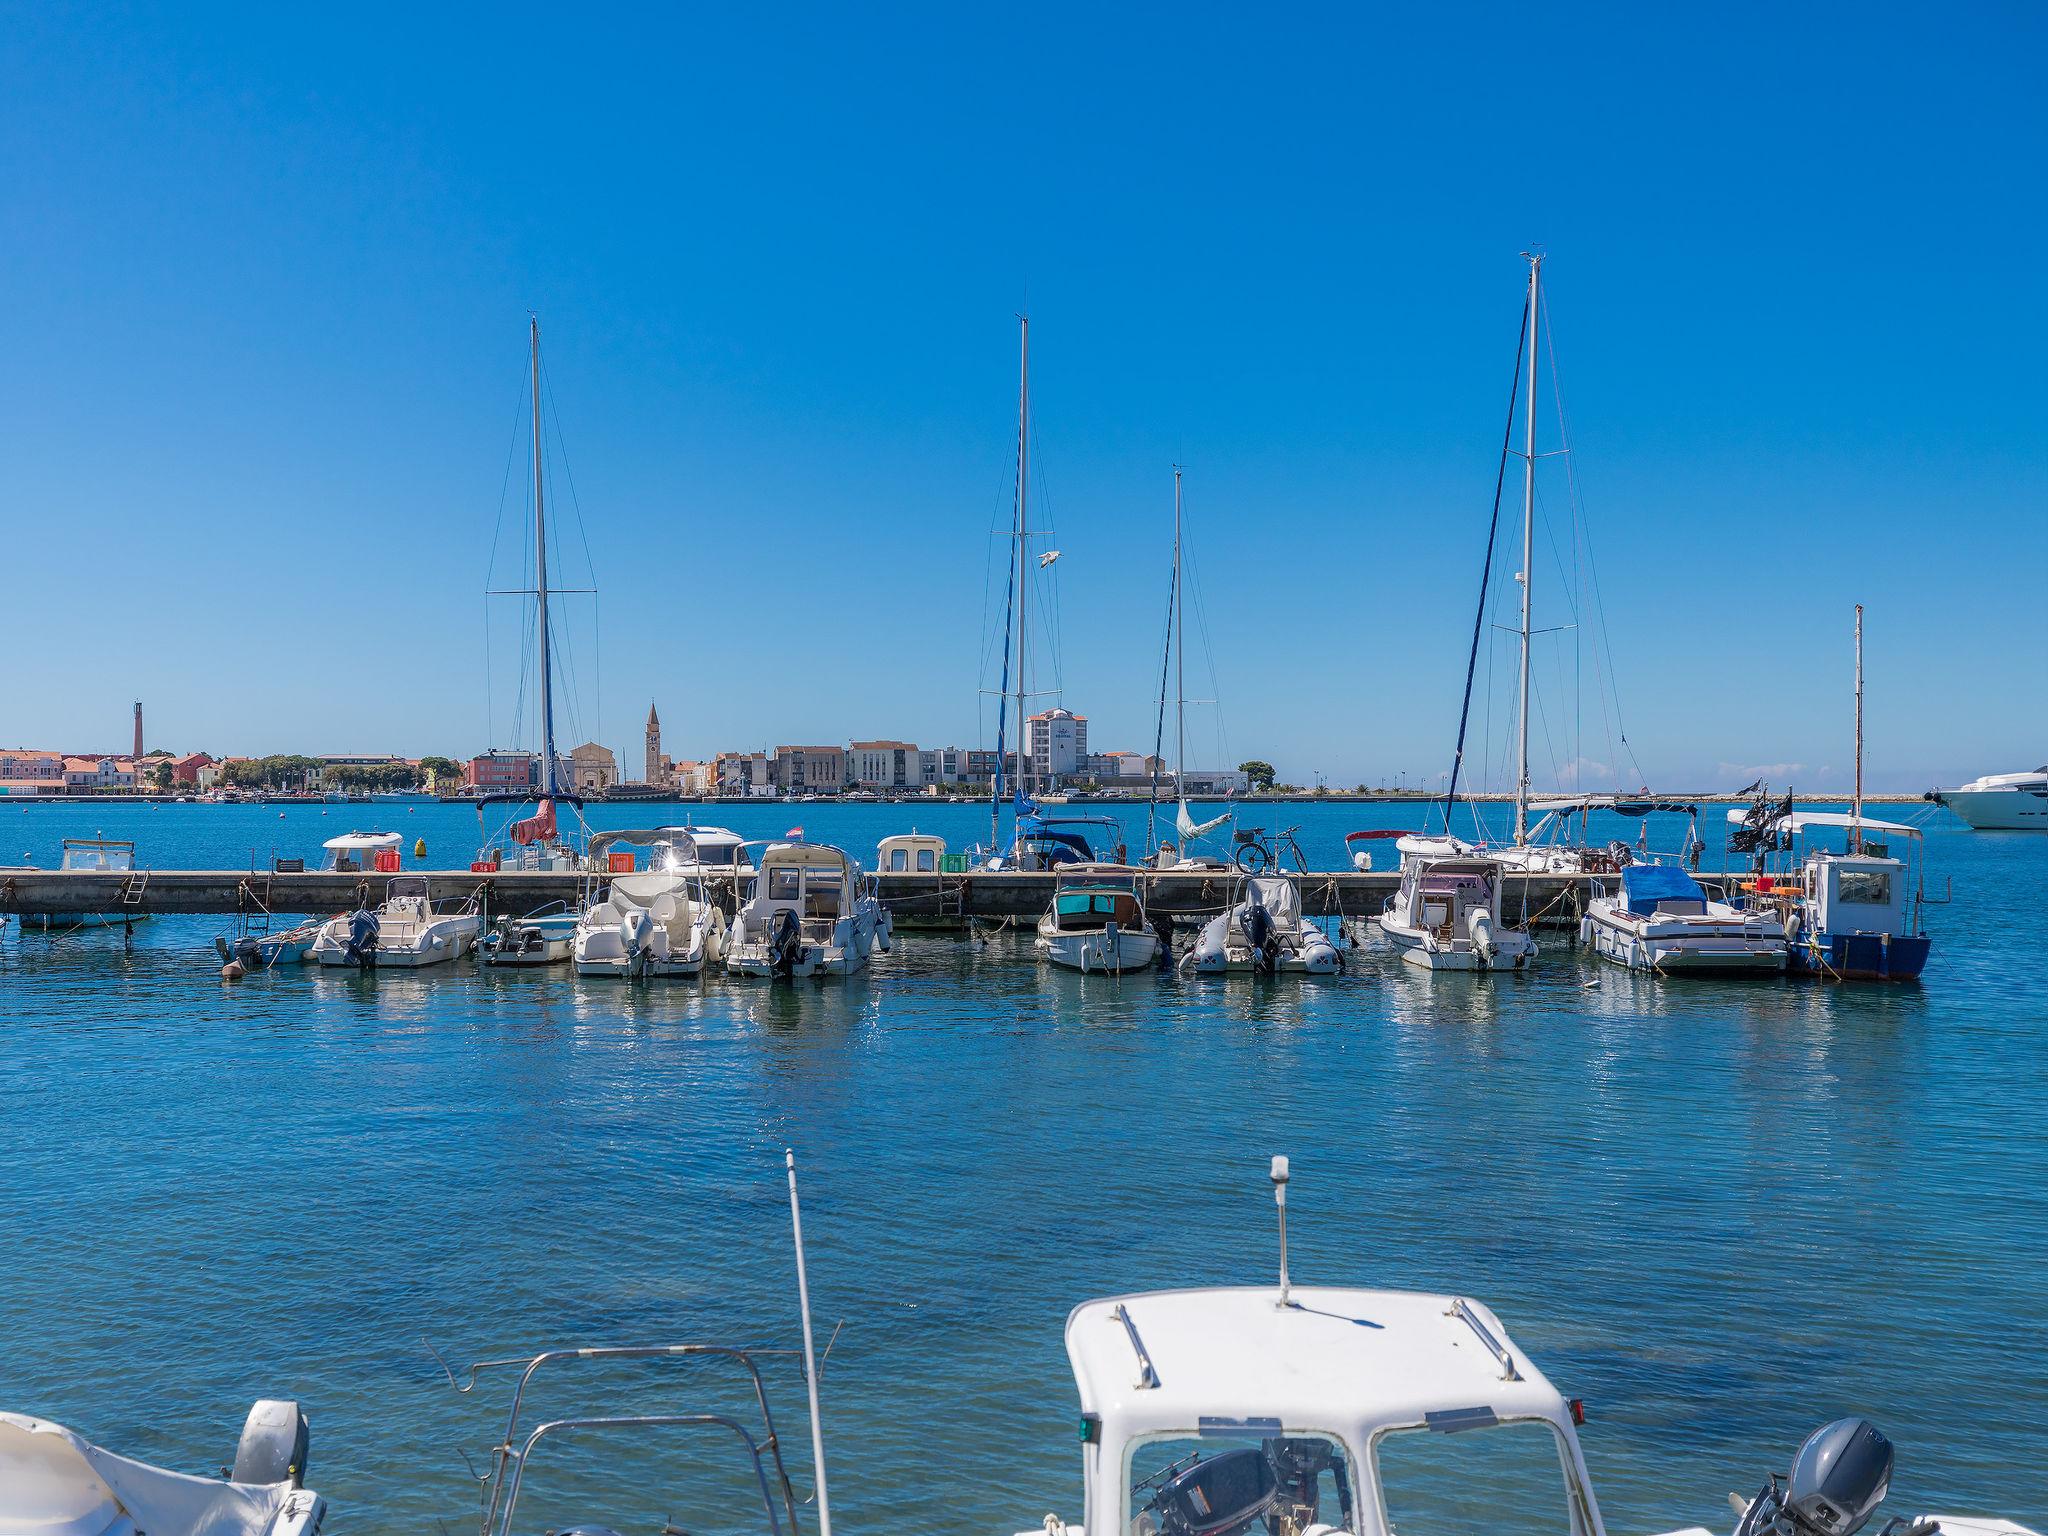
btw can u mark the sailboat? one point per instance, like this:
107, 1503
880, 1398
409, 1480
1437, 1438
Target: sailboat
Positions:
1036, 842
1175, 855
538, 841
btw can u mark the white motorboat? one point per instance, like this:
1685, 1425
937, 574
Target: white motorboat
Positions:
408, 930
1330, 1410
2000, 802
810, 912
656, 923
357, 852
55, 1482
1097, 922
1263, 931
545, 936
1445, 914
1659, 918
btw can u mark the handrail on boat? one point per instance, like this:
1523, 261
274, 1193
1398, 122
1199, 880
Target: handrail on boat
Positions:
644, 1421
504, 1456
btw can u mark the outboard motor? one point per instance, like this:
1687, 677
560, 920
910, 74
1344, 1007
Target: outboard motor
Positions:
1838, 1478
361, 948
1480, 926
785, 942
1260, 932
273, 1445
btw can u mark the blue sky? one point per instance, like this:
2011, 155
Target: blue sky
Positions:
266, 274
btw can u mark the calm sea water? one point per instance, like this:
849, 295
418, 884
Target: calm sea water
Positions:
1721, 1212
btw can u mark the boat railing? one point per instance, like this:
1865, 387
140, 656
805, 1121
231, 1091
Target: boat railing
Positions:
499, 1484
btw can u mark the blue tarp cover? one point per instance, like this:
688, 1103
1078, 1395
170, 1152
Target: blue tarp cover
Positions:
1646, 884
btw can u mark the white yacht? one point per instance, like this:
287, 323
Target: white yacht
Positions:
1097, 921
811, 911
1263, 932
55, 1482
407, 931
1659, 918
540, 937
655, 923
1445, 915
2000, 802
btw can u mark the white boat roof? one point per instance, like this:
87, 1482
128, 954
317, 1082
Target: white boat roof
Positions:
351, 841
806, 856
1799, 821
1335, 1359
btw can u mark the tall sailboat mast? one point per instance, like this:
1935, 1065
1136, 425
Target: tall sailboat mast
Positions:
540, 580
1180, 660
1023, 782
1528, 559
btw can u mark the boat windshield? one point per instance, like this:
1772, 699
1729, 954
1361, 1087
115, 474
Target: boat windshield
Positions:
1086, 908
1508, 1478
99, 856
1241, 1485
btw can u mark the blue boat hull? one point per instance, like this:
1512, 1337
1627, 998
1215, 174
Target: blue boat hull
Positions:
1860, 956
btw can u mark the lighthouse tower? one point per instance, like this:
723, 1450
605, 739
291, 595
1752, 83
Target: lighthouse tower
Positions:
653, 746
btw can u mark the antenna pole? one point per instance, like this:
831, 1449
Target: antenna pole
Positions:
803, 1294
540, 580
1528, 561
1279, 1177
1857, 832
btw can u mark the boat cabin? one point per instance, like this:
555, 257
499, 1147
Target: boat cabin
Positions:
1087, 898
1233, 1412
1446, 891
910, 853
97, 853
814, 880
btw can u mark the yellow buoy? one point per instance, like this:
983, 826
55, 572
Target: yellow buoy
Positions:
419, 848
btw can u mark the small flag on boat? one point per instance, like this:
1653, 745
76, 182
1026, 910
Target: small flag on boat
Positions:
540, 824
794, 832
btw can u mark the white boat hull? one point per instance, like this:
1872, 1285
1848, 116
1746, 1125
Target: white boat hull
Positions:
1101, 952
1676, 946
1999, 810
1421, 947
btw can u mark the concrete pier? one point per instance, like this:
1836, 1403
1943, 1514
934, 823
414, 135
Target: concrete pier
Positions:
915, 899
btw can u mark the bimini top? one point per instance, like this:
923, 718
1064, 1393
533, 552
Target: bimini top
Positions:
1800, 821
362, 842
1644, 885
1349, 1361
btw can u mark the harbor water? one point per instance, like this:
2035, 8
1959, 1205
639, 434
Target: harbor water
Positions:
1722, 1212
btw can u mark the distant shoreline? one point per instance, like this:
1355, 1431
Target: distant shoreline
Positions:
1348, 797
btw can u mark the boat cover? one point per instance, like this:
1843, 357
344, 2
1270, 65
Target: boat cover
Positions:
1644, 885
53, 1478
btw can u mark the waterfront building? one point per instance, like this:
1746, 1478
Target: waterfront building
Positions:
84, 775
882, 765
692, 779
189, 768
810, 770
941, 765
24, 763
1057, 742
592, 769
500, 772
744, 774
981, 765
318, 777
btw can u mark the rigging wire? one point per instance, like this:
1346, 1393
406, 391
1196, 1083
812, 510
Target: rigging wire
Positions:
1486, 568
1606, 638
